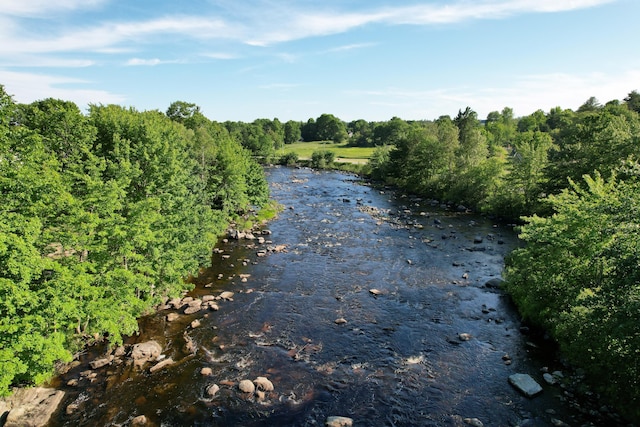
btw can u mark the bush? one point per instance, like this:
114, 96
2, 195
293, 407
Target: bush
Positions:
289, 159
322, 159
578, 278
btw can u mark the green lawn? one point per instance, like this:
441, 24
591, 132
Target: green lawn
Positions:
343, 152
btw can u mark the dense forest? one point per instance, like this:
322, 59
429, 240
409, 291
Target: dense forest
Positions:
105, 213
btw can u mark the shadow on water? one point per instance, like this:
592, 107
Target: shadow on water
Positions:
376, 310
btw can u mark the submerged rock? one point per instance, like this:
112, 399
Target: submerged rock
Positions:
525, 384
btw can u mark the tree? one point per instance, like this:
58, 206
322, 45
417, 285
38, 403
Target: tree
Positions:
578, 278
632, 101
292, 132
330, 128
590, 105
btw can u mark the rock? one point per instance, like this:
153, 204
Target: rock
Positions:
195, 324
160, 365
474, 422
464, 336
525, 384
140, 420
189, 344
172, 317
335, 421
478, 239
227, 295
550, 379
176, 303
145, 352
496, 282
207, 372
208, 298
193, 307
340, 321
71, 408
213, 389
32, 407
263, 384
246, 386
99, 363
73, 382
375, 292
211, 306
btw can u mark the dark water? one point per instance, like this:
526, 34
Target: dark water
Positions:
397, 361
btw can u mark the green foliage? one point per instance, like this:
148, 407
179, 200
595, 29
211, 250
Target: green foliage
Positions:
322, 159
578, 277
103, 215
289, 159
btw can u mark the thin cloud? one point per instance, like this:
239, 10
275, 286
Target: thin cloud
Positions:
349, 47
145, 62
524, 94
44, 7
313, 23
219, 55
29, 87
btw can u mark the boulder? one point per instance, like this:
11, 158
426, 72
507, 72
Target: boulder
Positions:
206, 372
145, 352
525, 384
140, 420
160, 365
263, 384
213, 389
335, 421
32, 407
99, 363
227, 295
172, 316
246, 386
496, 282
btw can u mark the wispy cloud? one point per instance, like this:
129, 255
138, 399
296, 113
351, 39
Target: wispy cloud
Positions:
219, 55
44, 7
525, 94
350, 47
29, 87
145, 62
309, 23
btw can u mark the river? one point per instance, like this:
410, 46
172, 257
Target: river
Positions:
373, 308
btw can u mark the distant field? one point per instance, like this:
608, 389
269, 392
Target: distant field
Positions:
344, 153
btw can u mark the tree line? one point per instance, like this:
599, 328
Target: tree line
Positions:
101, 217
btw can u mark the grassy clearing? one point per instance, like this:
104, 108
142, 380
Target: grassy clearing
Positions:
344, 153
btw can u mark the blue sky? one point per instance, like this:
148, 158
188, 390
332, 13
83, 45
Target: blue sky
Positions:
295, 59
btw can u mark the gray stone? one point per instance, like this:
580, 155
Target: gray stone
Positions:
32, 407
525, 384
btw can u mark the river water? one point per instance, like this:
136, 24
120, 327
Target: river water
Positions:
395, 358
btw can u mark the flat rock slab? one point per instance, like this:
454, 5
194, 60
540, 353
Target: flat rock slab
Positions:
32, 407
525, 384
